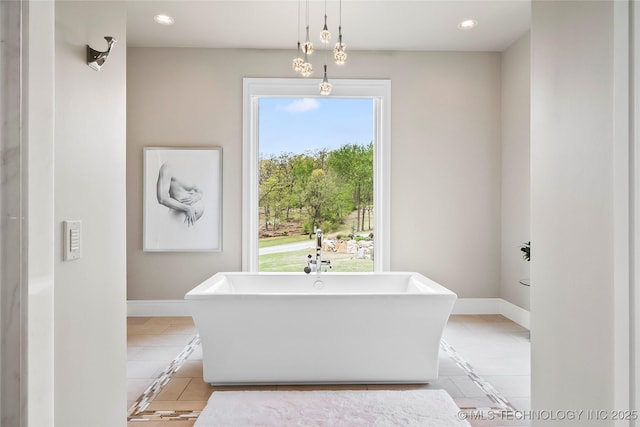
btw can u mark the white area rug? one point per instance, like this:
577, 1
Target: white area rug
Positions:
411, 408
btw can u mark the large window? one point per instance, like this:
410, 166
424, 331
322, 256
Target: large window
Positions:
304, 170
315, 172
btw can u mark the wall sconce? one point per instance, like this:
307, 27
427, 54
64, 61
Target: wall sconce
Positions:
96, 59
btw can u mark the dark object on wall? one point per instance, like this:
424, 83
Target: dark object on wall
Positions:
526, 249
96, 59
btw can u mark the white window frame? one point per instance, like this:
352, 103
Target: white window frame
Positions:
256, 88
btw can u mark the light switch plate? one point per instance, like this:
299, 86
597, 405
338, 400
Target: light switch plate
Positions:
72, 240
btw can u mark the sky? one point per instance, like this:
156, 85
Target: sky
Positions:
296, 125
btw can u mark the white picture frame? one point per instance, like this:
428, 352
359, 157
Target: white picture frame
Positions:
182, 206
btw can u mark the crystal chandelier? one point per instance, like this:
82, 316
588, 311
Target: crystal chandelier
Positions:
325, 35
298, 62
325, 86
339, 54
307, 68
301, 63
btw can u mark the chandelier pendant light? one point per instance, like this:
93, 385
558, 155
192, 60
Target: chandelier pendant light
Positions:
325, 86
301, 63
339, 54
298, 62
325, 35
307, 47
307, 68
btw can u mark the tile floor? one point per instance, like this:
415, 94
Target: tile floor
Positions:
494, 348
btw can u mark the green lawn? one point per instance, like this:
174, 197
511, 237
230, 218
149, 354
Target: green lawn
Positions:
283, 240
297, 261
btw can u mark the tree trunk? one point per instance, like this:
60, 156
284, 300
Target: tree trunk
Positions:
358, 205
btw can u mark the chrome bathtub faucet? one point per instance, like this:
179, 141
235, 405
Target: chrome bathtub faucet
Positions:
316, 265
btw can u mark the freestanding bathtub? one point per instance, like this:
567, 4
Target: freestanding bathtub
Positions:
291, 328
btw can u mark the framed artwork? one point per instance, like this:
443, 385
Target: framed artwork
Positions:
182, 199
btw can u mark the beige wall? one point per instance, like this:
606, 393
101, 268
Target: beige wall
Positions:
89, 185
41, 127
516, 182
572, 205
445, 164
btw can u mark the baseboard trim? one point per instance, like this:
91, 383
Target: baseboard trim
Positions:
170, 308
477, 306
515, 313
158, 308
493, 306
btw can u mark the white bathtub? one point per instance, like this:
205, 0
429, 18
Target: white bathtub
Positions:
285, 328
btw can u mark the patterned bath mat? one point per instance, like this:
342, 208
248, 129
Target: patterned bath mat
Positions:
384, 408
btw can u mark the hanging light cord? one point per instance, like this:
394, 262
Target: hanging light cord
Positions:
299, 24
325, 13
340, 26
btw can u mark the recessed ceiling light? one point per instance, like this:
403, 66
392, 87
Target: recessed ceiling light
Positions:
163, 19
468, 24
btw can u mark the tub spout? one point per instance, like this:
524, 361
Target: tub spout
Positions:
312, 266
307, 269
316, 265
318, 251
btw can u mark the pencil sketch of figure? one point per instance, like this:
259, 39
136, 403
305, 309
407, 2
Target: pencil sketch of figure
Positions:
183, 199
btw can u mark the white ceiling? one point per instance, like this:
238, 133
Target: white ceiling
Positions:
366, 24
